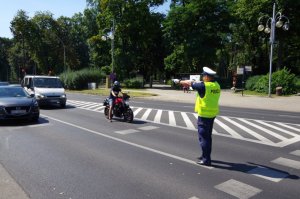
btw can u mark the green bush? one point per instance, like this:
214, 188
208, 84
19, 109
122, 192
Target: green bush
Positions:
133, 83
252, 81
262, 85
80, 79
282, 78
297, 84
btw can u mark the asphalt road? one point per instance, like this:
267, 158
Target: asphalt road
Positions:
76, 153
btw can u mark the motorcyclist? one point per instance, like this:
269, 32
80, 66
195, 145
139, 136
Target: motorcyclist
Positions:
114, 92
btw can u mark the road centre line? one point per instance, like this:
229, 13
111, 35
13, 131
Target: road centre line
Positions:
131, 143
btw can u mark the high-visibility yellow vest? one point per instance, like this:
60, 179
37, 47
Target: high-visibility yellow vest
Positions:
208, 106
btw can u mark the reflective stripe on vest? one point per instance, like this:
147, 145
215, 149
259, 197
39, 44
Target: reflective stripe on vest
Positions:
208, 106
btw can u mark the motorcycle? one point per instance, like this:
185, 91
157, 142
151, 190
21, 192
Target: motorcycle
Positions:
121, 108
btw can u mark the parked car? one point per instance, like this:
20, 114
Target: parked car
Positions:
16, 103
48, 90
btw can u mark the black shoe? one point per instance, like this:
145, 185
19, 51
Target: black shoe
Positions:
201, 162
200, 158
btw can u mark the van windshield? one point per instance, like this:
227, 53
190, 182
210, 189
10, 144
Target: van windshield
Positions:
47, 83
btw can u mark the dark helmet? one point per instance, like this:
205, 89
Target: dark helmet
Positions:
116, 84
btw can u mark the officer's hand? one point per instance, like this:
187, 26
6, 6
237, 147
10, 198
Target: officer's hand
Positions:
176, 81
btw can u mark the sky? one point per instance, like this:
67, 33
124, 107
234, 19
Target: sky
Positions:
67, 8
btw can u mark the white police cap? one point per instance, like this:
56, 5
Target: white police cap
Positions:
208, 71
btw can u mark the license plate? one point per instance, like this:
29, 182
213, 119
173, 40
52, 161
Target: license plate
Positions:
18, 111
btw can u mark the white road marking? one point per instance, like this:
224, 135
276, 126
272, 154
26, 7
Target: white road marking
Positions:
137, 111
228, 129
286, 126
99, 108
158, 116
260, 125
194, 197
172, 120
146, 114
277, 128
238, 189
131, 143
148, 128
297, 152
263, 129
187, 121
268, 174
287, 162
256, 135
128, 131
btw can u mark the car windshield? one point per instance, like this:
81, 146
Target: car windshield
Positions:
12, 92
47, 83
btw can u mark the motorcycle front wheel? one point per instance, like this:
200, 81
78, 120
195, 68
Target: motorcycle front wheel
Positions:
128, 115
106, 110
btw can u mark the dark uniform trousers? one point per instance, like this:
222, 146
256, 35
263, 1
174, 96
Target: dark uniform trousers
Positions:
205, 127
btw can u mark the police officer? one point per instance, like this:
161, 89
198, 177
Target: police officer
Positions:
207, 107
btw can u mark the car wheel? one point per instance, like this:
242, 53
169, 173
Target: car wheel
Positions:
35, 119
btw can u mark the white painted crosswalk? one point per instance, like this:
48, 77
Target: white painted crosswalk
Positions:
258, 131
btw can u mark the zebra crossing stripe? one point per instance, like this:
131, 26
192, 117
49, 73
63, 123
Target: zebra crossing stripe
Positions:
238, 189
297, 152
263, 129
76, 102
99, 108
256, 135
285, 133
286, 126
137, 111
172, 120
287, 162
228, 129
187, 121
158, 116
277, 128
146, 114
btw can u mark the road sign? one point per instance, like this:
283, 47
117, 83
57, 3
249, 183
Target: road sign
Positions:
240, 71
248, 68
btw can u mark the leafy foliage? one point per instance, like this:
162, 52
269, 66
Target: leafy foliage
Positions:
80, 79
282, 78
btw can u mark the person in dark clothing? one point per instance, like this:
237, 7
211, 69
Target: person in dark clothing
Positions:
114, 92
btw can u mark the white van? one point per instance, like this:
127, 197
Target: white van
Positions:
48, 90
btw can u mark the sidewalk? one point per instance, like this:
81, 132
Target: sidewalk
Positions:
230, 99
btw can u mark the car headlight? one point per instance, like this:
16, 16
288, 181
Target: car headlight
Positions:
2, 111
35, 103
63, 96
39, 96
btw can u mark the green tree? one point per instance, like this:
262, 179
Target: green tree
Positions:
194, 31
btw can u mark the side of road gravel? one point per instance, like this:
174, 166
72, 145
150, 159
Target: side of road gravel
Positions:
230, 99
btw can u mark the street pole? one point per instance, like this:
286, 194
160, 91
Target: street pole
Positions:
113, 45
272, 39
